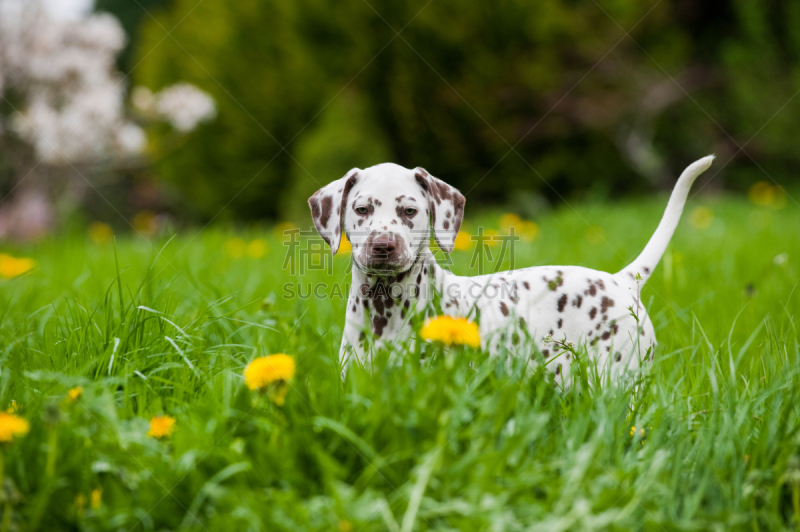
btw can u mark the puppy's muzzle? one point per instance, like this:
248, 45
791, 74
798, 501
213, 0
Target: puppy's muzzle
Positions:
383, 249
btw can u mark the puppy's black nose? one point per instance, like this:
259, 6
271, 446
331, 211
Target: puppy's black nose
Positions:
383, 247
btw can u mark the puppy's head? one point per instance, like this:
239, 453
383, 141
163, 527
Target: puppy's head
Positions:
387, 212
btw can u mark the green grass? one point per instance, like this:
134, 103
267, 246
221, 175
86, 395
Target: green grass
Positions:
461, 442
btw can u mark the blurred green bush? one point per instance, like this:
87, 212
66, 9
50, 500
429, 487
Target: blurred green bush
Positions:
307, 90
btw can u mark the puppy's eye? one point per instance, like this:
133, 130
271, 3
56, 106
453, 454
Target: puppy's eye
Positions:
411, 211
361, 210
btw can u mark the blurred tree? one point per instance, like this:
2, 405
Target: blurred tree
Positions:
495, 98
66, 129
759, 65
131, 14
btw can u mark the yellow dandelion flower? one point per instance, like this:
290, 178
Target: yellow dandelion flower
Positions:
762, 194
449, 331
492, 238
633, 431
75, 393
14, 407
100, 233
701, 217
284, 230
80, 502
97, 498
463, 241
264, 371
11, 267
529, 231
509, 220
344, 244
11, 427
161, 426
235, 247
765, 194
256, 248
145, 223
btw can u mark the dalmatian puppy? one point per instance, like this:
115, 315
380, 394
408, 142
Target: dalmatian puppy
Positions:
388, 213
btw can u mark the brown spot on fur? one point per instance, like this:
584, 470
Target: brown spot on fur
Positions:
562, 302
546, 353
422, 181
404, 218
646, 270
592, 289
560, 322
600, 284
606, 303
378, 324
606, 335
315, 210
503, 308
526, 284
618, 357
578, 301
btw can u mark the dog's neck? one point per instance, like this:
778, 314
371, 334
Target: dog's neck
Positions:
384, 303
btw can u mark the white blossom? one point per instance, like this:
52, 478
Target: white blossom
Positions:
185, 106
71, 100
143, 100
131, 139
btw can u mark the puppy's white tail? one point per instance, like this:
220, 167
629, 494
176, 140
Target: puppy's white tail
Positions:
646, 262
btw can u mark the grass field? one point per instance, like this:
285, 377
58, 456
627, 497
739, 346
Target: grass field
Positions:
710, 440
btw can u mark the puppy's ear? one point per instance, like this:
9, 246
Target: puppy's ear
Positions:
446, 206
328, 208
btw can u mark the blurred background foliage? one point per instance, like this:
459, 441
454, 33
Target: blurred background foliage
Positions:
505, 100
